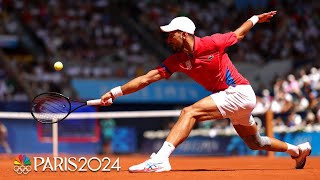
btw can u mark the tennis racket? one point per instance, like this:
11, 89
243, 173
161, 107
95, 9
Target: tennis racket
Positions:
52, 107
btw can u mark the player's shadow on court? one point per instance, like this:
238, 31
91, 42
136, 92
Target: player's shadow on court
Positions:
199, 170
183, 170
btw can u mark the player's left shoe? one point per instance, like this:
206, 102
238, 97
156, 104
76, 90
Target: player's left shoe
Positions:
304, 152
151, 165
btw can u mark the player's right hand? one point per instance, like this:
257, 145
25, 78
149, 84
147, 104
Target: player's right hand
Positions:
107, 99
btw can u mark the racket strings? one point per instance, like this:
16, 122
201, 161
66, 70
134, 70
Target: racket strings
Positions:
56, 107
49, 108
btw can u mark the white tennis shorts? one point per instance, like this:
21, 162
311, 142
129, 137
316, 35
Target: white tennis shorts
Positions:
236, 103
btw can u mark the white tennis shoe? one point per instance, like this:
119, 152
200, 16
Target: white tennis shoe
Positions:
151, 165
304, 152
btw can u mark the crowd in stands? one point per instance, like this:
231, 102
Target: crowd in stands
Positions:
290, 35
86, 36
92, 42
295, 98
10, 89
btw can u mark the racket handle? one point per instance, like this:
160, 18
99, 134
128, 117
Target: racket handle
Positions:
96, 102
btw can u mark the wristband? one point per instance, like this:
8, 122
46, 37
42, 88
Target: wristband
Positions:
254, 19
116, 92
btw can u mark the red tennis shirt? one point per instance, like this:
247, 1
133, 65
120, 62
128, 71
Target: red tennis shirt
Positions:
209, 64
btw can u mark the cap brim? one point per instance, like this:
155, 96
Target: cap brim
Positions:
167, 28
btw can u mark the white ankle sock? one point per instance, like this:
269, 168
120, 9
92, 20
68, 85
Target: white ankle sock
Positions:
165, 151
292, 150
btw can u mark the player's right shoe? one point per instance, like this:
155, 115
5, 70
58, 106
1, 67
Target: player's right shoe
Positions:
151, 165
304, 152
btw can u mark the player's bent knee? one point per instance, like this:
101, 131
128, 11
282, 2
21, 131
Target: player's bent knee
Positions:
257, 142
187, 111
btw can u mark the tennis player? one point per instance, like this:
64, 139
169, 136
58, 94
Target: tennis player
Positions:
205, 60
4, 138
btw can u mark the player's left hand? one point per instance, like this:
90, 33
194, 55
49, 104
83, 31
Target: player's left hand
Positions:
265, 17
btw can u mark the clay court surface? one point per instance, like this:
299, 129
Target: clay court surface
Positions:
248, 168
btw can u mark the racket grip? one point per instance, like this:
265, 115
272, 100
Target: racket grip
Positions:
96, 102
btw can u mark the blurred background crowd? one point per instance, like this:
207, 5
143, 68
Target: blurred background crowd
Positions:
108, 39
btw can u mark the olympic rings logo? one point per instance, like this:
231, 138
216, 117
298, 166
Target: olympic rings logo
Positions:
22, 169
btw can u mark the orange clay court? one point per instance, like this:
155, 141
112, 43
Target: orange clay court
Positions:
248, 168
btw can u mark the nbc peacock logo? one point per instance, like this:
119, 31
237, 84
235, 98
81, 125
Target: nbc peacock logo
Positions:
22, 164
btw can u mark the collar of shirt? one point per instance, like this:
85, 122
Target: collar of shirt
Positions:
195, 47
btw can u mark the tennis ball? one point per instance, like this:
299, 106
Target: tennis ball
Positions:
58, 66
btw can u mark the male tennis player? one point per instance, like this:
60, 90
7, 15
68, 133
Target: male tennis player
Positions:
205, 61
4, 138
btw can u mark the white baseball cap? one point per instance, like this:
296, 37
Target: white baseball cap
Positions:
180, 23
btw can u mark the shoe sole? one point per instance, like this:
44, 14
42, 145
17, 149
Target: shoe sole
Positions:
149, 171
305, 159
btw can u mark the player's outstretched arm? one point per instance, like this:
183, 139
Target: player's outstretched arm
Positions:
246, 26
132, 86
